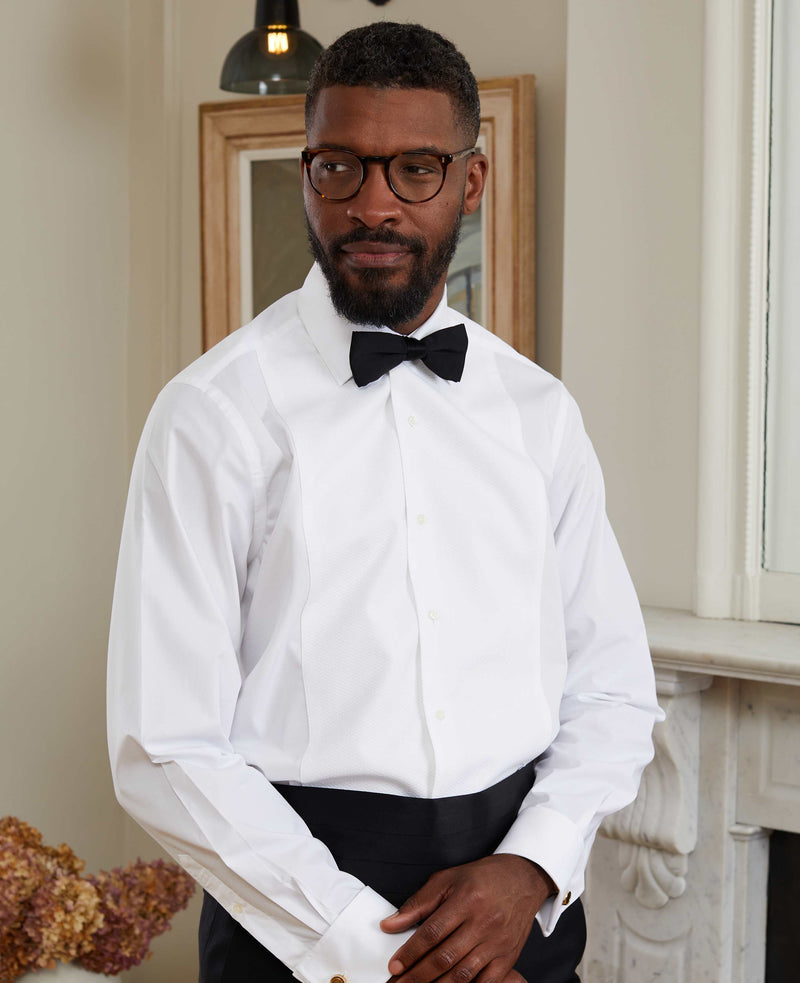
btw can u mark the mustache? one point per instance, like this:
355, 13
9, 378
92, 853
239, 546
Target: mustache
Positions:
413, 244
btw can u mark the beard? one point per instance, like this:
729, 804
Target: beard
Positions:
374, 299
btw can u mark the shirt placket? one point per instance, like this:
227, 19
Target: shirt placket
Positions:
416, 437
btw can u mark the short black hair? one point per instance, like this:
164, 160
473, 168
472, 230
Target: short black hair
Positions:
385, 55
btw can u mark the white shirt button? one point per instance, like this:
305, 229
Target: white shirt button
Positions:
433, 614
421, 520
412, 420
440, 714
237, 909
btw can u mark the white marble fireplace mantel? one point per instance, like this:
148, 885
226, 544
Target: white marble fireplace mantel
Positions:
757, 650
676, 888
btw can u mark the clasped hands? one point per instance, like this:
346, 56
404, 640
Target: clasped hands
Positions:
473, 922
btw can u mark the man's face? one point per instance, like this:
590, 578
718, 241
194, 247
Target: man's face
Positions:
386, 260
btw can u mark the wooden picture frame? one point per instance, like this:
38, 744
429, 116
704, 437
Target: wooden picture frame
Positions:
236, 137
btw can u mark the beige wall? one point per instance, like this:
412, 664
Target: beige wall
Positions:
632, 271
63, 305
100, 298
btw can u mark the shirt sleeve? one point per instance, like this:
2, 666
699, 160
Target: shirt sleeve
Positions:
608, 708
190, 529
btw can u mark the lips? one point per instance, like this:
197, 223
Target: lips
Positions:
375, 254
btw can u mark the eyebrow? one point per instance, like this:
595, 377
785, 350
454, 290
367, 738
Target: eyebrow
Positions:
437, 152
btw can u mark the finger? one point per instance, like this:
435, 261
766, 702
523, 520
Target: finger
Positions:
437, 927
457, 959
514, 977
499, 971
416, 908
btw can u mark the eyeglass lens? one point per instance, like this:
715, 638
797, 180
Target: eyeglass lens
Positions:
337, 174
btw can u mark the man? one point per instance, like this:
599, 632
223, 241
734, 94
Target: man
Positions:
373, 643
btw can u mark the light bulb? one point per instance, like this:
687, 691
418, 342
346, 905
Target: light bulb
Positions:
277, 39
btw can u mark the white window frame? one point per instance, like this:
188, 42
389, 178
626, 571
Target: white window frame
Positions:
730, 580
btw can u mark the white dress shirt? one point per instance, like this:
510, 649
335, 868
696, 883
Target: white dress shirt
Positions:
409, 588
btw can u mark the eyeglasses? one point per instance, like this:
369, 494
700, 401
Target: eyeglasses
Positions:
339, 174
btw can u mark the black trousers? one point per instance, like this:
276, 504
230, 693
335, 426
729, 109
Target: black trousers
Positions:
394, 844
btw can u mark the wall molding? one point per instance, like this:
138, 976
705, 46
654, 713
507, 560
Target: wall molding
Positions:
154, 303
154, 306
171, 122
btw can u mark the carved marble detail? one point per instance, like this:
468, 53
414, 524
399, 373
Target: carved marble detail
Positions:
676, 887
769, 789
658, 830
642, 958
652, 876
749, 922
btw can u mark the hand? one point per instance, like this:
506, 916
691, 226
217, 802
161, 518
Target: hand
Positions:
474, 919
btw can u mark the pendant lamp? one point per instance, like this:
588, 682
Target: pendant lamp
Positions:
275, 57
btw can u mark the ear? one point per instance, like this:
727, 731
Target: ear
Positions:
477, 170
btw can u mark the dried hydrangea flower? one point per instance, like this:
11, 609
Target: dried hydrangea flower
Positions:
49, 912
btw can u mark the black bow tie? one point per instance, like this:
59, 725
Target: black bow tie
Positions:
374, 352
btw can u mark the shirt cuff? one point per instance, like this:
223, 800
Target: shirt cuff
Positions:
552, 841
354, 948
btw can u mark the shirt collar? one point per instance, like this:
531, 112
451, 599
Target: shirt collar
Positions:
331, 333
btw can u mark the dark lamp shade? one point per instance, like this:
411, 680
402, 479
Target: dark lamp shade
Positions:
272, 60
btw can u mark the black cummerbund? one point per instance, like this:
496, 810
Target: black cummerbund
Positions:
394, 843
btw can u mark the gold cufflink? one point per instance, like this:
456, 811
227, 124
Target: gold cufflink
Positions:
338, 978
566, 901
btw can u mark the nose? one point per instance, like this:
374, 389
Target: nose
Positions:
376, 203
